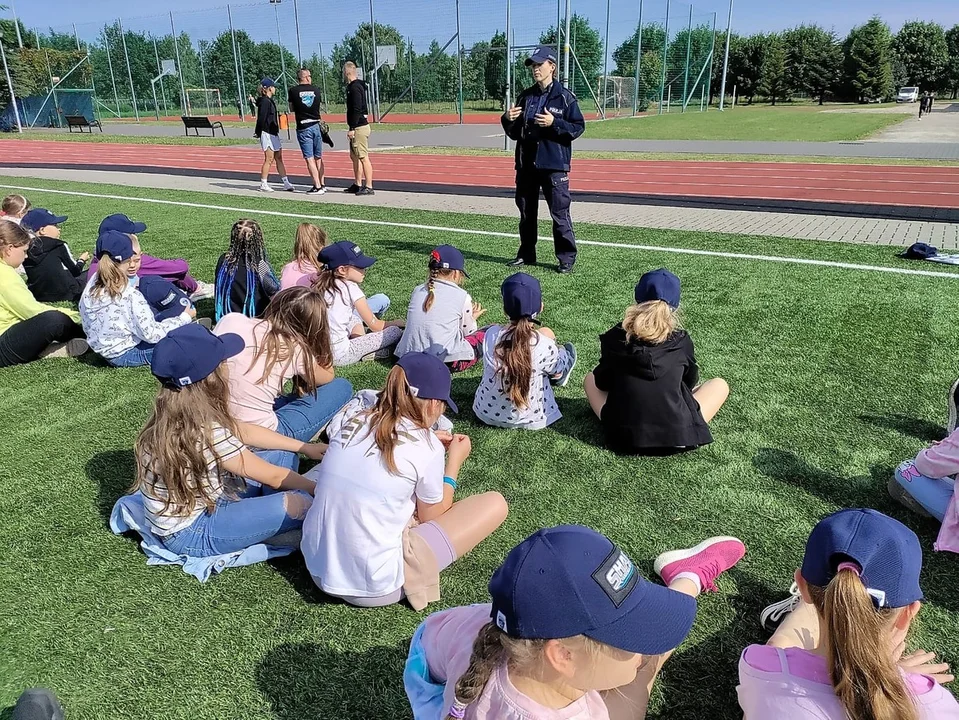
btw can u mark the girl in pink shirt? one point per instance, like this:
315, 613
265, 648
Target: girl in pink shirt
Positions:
310, 239
838, 653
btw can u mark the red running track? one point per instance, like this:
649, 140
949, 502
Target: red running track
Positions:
933, 187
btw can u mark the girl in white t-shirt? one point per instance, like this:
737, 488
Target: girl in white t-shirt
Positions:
338, 280
14, 207
383, 523
521, 363
192, 457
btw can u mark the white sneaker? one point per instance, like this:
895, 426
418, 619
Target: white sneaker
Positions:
71, 348
773, 615
289, 187
203, 291
264, 187
953, 411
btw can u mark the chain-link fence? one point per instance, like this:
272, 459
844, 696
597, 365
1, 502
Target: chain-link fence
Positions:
423, 60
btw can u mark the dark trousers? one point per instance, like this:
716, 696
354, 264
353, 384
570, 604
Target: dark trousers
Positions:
24, 341
555, 188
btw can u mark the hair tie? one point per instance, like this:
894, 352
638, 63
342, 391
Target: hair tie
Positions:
849, 566
458, 710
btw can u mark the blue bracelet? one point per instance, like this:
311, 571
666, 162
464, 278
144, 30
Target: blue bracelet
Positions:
450, 481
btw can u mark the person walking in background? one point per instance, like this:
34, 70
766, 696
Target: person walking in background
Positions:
251, 101
304, 100
923, 104
267, 131
359, 132
544, 122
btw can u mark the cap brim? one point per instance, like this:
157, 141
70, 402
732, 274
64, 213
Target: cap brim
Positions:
233, 344
170, 312
57, 219
363, 261
658, 621
451, 405
138, 228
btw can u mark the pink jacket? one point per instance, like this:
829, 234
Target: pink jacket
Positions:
939, 461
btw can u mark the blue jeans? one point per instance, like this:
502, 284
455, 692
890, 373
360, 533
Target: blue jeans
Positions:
311, 141
235, 525
142, 354
378, 303
933, 494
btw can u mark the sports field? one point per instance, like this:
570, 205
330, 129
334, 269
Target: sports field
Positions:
838, 371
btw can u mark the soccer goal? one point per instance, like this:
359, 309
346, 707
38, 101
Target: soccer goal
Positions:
203, 101
616, 93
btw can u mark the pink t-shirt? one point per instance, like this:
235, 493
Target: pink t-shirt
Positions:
448, 641
794, 684
297, 273
250, 400
940, 460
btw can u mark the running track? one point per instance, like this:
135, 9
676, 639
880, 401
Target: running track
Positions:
902, 192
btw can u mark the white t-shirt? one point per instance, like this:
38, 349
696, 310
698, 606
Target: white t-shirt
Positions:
492, 403
353, 533
340, 313
225, 446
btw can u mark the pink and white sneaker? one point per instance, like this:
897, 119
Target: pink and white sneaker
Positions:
707, 561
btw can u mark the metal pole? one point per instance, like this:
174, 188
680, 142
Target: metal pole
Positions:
566, 75
13, 98
240, 100
639, 58
93, 84
689, 47
509, 68
133, 92
16, 24
409, 58
199, 44
156, 105
459, 60
279, 41
606, 61
113, 79
156, 51
373, 85
662, 87
712, 60
326, 98
53, 89
722, 87
296, 20
179, 65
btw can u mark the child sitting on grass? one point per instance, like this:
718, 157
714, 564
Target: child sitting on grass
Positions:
441, 319
645, 389
310, 240
245, 282
14, 207
53, 275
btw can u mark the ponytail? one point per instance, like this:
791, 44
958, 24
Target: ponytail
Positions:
441, 274
867, 681
514, 351
110, 279
326, 283
394, 404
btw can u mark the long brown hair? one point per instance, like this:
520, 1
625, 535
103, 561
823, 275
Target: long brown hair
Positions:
297, 322
653, 321
514, 353
110, 278
15, 205
310, 239
454, 276
867, 681
394, 404
327, 282
12, 235
172, 443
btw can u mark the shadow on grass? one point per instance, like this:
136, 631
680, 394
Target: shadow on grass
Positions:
296, 679
293, 569
114, 471
423, 249
915, 427
579, 422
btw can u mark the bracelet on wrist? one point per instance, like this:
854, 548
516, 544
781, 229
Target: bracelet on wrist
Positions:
450, 481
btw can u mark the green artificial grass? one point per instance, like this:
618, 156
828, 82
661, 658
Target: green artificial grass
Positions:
836, 376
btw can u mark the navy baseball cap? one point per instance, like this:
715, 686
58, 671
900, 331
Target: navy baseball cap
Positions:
429, 378
571, 580
165, 299
39, 217
190, 353
116, 244
121, 223
887, 553
267, 82
447, 257
658, 285
916, 251
343, 253
540, 55
522, 296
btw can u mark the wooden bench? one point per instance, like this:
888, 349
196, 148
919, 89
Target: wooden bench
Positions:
200, 122
80, 121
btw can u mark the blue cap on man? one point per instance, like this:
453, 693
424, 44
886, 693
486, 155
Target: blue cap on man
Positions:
121, 223
540, 55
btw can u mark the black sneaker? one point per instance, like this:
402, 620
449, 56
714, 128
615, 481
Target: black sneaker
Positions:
564, 268
314, 190
518, 262
365, 191
354, 188
953, 407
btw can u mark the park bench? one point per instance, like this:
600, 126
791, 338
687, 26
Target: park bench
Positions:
201, 122
80, 121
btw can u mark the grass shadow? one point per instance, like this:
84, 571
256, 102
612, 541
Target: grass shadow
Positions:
295, 679
914, 427
293, 569
424, 249
579, 422
113, 471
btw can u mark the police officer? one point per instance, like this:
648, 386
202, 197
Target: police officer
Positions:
544, 122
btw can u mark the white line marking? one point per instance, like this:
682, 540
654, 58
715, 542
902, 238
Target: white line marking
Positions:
492, 233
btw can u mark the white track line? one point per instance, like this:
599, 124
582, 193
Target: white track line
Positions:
492, 233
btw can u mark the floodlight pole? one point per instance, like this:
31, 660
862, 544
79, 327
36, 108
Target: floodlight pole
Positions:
459, 60
662, 87
279, 40
296, 21
13, 98
374, 86
509, 69
639, 58
179, 66
240, 100
113, 79
16, 25
93, 85
566, 50
133, 92
722, 89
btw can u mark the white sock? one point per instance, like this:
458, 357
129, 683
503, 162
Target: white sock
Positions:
264, 182
286, 180
692, 577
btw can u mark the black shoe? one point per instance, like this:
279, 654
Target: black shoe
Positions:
314, 190
564, 268
354, 188
518, 262
365, 191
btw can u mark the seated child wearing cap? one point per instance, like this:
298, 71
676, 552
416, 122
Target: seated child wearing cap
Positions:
193, 459
343, 269
176, 271
441, 319
119, 322
645, 389
291, 342
383, 523
53, 275
574, 631
245, 281
521, 363
30, 330
838, 650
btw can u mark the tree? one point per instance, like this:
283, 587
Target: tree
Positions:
587, 45
358, 47
719, 57
951, 81
654, 37
772, 81
746, 65
924, 53
495, 70
813, 60
868, 61
474, 71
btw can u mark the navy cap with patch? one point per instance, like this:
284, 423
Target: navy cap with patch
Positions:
165, 299
540, 55
571, 580
344, 253
121, 223
191, 353
40, 218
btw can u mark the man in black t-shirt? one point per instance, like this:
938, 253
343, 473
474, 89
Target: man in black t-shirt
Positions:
359, 132
304, 100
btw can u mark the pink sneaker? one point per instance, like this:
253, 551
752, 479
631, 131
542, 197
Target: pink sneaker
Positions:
708, 560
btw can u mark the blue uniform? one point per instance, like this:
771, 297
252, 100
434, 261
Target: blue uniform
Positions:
543, 157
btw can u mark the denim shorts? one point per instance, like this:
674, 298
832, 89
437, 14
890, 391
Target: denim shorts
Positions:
311, 141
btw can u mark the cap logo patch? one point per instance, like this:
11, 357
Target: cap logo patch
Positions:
185, 302
617, 576
168, 299
501, 621
878, 597
414, 391
185, 380
356, 250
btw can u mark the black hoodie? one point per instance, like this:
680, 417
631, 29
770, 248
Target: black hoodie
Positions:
52, 273
651, 408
